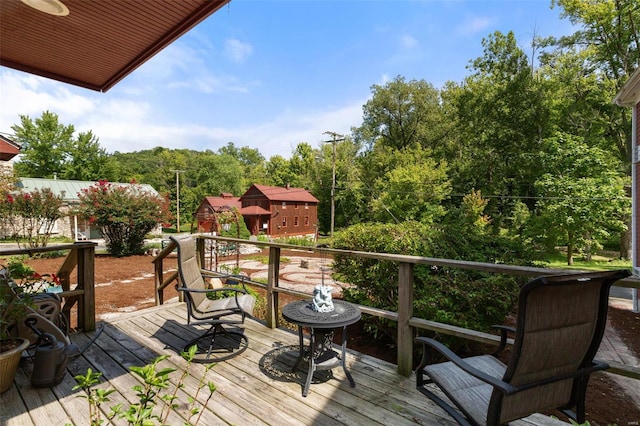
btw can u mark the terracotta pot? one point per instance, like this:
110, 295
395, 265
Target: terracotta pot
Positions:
9, 360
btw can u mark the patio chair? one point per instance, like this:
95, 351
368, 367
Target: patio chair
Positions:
217, 307
561, 321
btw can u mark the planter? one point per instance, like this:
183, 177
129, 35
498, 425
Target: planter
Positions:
9, 360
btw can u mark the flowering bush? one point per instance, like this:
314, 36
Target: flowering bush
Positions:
124, 214
30, 215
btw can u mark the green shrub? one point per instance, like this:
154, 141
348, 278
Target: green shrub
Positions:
469, 299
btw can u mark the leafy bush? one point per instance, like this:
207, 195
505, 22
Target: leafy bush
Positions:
124, 214
469, 299
30, 215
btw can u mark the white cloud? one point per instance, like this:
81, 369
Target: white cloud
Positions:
24, 94
236, 50
408, 42
190, 66
284, 132
473, 25
128, 124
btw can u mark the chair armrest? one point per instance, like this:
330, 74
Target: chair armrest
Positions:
595, 366
212, 290
504, 329
242, 279
504, 387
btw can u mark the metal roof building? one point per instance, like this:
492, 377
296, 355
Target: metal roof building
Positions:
68, 189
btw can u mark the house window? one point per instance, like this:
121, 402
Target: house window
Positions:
295, 205
295, 221
306, 206
306, 221
284, 222
284, 204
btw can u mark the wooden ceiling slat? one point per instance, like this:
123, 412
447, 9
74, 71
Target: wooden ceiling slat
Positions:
99, 42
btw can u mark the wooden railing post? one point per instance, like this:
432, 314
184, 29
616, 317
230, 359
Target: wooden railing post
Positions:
159, 279
272, 282
86, 281
200, 250
405, 313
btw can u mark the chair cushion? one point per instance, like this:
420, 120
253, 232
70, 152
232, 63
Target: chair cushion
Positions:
471, 395
227, 306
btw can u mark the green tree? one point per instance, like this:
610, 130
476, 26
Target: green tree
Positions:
581, 196
609, 40
44, 144
279, 172
87, 160
402, 114
49, 149
502, 120
253, 163
610, 35
302, 165
125, 214
413, 190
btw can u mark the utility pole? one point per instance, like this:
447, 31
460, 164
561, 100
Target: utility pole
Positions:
177, 172
335, 137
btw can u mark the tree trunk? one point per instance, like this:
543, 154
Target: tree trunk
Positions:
588, 252
570, 254
625, 244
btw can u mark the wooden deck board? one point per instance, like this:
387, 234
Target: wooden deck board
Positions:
256, 387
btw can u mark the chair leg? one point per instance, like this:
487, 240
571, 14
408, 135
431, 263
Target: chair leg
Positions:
579, 416
218, 344
457, 416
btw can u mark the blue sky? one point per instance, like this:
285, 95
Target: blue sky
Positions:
270, 74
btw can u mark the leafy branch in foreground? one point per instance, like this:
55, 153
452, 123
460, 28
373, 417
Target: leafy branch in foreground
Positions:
153, 394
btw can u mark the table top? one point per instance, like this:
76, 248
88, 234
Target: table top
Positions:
301, 313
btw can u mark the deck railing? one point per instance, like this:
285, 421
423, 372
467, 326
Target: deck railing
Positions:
406, 322
80, 257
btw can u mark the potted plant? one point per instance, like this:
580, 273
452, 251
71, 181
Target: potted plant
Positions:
12, 309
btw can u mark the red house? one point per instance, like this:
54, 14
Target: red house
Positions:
206, 213
280, 211
8, 148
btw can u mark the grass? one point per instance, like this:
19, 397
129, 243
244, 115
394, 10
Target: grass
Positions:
601, 261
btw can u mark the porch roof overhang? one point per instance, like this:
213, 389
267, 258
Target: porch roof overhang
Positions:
8, 149
99, 42
629, 95
254, 211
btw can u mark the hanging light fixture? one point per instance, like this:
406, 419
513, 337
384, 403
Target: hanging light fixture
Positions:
51, 7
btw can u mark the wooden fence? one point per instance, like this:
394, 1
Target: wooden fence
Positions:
406, 322
80, 257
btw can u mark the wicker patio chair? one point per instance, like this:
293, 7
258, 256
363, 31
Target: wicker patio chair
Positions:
213, 305
561, 321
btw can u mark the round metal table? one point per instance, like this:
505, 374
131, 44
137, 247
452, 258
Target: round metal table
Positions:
320, 351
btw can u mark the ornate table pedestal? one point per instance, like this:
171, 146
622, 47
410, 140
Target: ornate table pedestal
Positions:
322, 325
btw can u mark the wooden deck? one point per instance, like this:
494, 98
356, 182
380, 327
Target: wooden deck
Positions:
255, 388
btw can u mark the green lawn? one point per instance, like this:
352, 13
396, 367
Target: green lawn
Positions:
604, 260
